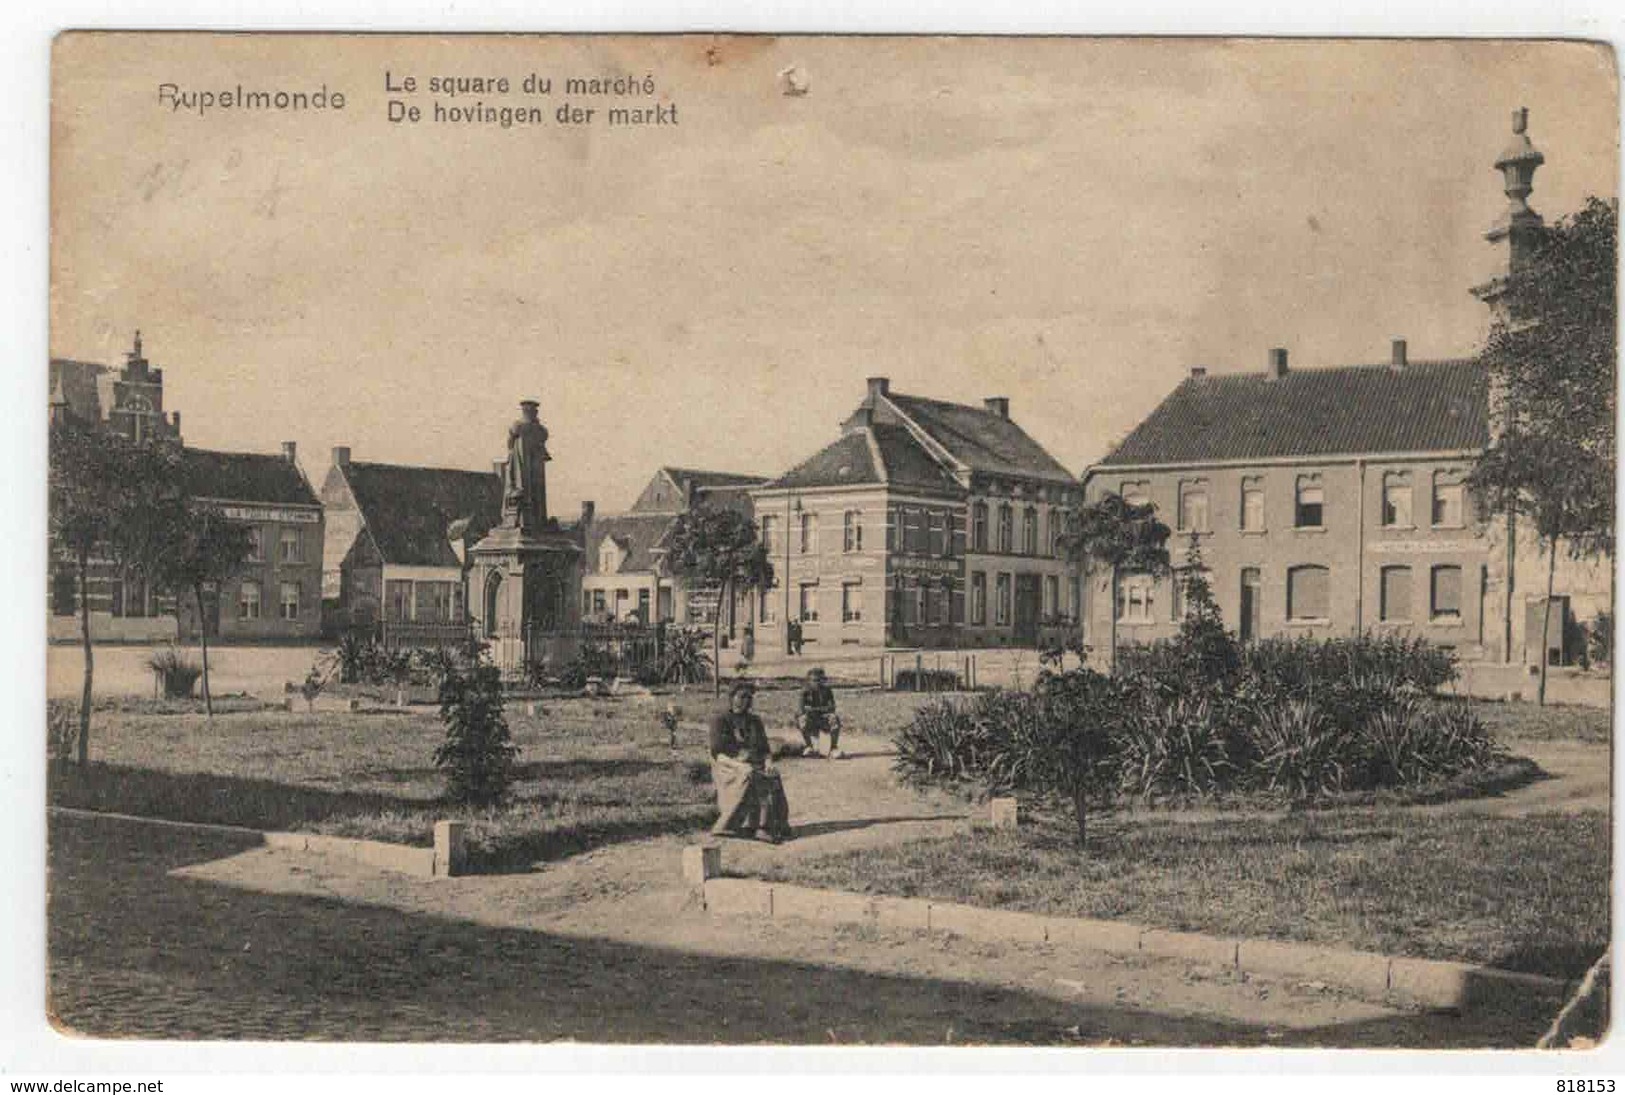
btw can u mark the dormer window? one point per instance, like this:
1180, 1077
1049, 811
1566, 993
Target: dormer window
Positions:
609, 558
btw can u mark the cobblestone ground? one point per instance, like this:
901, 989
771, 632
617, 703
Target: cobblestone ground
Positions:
136, 952
164, 932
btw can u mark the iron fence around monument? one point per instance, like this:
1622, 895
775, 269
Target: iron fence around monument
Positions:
595, 649
411, 635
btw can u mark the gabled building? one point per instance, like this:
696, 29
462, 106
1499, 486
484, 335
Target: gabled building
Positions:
625, 579
398, 539
1324, 501
925, 523
1332, 501
275, 596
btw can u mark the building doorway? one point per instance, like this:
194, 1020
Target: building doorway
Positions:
1251, 604
1029, 606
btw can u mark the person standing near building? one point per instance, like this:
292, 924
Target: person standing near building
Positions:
816, 715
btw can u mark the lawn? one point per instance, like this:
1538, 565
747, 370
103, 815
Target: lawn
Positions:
1512, 723
1526, 894
591, 771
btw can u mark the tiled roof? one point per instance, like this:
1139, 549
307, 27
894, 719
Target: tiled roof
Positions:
980, 439
907, 464
75, 383
245, 477
1420, 407
843, 462
636, 533
409, 510
710, 480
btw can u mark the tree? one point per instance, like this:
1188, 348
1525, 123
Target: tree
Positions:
478, 754
1121, 535
718, 547
1207, 649
186, 546
100, 486
1550, 358
1077, 717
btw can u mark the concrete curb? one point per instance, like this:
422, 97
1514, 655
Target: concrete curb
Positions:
400, 858
1454, 986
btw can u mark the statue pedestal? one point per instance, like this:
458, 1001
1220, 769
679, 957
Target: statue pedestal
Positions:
525, 593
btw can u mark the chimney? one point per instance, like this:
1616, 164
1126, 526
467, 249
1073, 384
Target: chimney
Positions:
998, 404
879, 386
341, 455
1398, 359
498, 467
587, 511
1198, 372
1277, 367
290, 452
175, 420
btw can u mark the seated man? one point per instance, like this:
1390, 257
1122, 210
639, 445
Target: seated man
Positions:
750, 794
817, 715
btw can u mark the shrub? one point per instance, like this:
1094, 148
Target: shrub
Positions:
356, 654
61, 728
478, 754
950, 740
178, 673
1175, 747
926, 680
687, 661
1599, 645
1301, 751
1293, 666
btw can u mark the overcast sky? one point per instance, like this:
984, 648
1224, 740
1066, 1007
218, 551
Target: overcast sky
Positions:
1072, 223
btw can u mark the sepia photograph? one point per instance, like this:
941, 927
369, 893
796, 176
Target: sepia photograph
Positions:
826, 541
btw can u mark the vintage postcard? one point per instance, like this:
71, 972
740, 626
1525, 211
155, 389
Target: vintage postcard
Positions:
810, 541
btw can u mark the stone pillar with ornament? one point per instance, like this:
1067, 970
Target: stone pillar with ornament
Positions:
525, 583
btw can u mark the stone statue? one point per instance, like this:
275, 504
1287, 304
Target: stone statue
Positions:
524, 476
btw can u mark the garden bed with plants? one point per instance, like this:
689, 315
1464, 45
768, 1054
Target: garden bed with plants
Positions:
1200, 718
1320, 747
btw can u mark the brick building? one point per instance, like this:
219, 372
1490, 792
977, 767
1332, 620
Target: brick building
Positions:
276, 596
624, 578
1330, 501
397, 541
1325, 501
925, 523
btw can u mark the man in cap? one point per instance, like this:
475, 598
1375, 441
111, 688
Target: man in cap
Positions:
750, 792
817, 716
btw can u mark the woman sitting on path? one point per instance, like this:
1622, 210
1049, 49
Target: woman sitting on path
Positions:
750, 793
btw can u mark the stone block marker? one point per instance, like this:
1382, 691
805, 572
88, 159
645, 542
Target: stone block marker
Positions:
450, 853
701, 863
1004, 813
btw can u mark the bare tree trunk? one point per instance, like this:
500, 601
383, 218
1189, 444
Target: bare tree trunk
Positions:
1111, 614
203, 641
84, 633
716, 644
1080, 807
1546, 620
